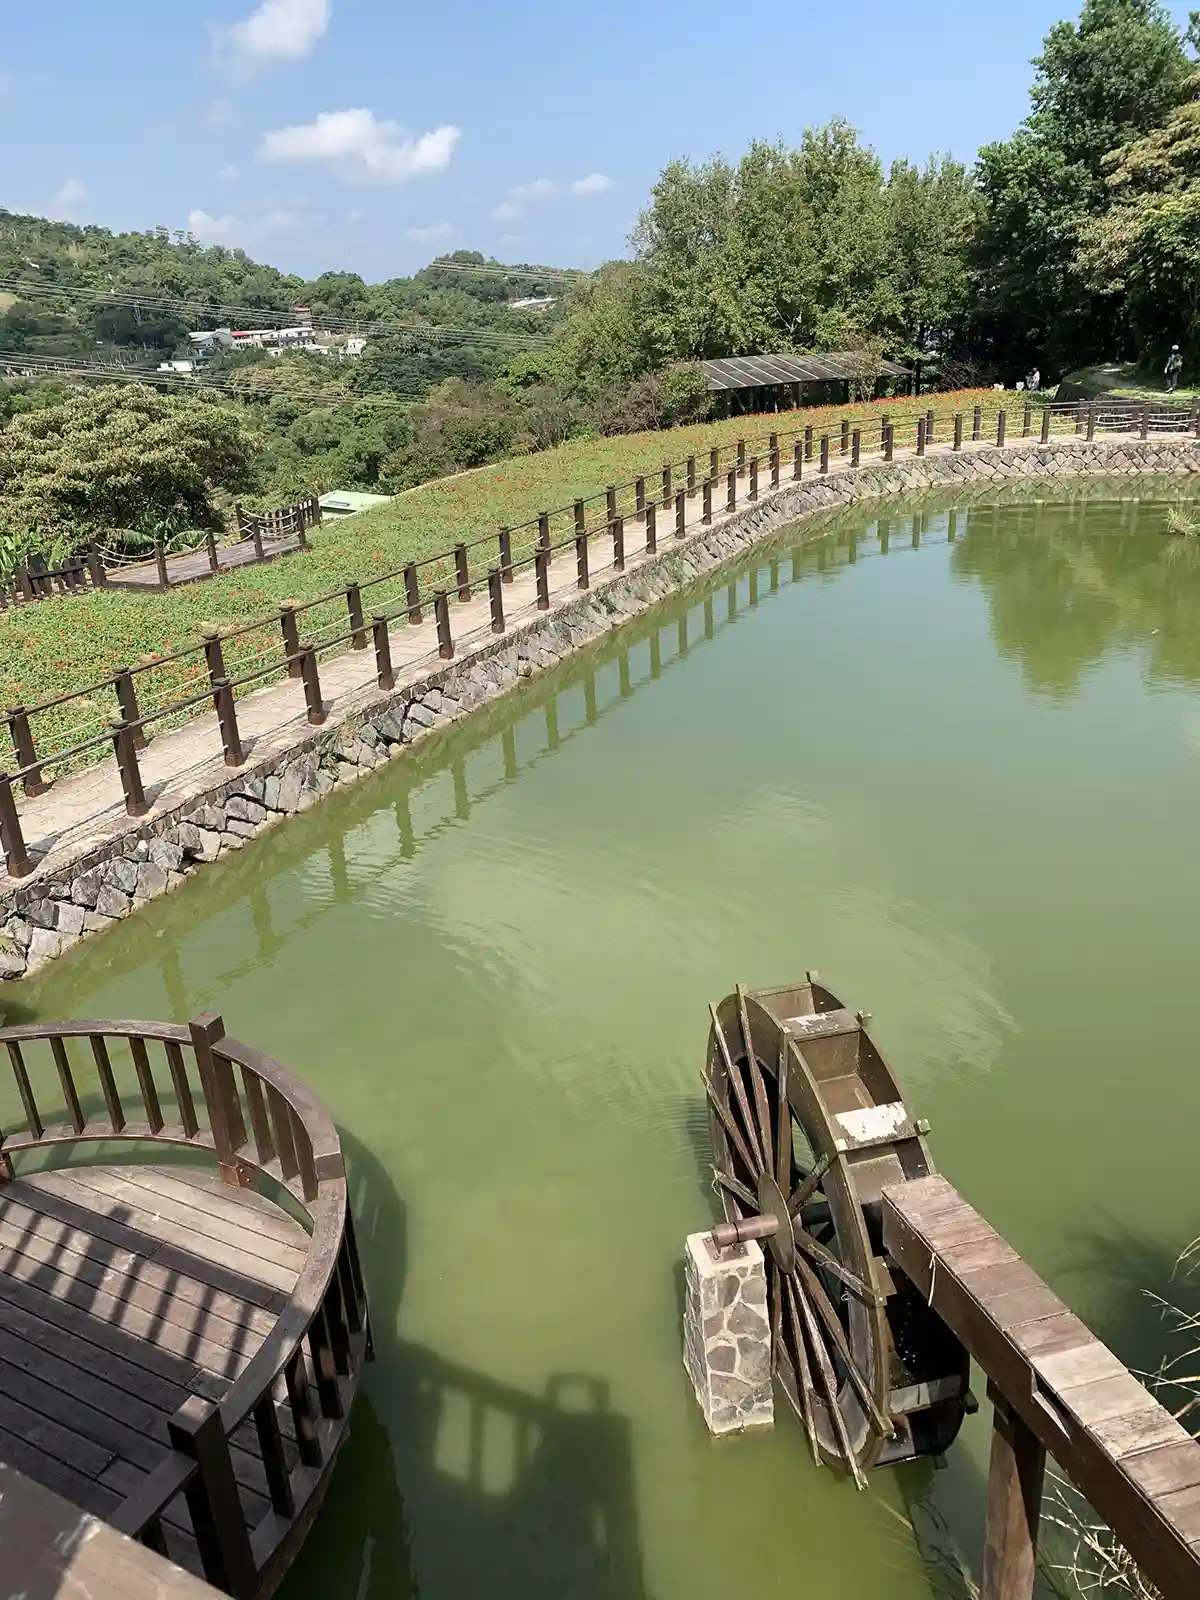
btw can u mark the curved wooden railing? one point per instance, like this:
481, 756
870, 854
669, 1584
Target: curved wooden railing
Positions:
253, 1117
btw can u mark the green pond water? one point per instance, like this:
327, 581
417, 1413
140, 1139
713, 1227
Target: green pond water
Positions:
952, 760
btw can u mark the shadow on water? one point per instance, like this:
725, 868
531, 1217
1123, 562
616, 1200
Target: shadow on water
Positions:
453, 1484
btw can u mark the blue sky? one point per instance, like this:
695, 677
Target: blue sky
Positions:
371, 135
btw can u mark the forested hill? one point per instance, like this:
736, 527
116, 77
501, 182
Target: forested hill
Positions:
54, 278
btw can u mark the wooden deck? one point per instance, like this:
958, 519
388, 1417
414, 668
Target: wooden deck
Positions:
179, 1349
122, 1290
191, 566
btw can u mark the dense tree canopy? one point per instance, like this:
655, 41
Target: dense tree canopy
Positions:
119, 458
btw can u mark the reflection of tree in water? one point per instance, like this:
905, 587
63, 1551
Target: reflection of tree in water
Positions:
1069, 584
452, 1484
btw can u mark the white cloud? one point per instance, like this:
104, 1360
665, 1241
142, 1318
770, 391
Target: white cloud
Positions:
431, 234
213, 230
279, 30
360, 148
507, 211
354, 216
220, 113
68, 196
594, 183
540, 189
229, 174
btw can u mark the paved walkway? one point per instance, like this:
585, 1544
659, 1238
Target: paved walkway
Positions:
86, 808
189, 566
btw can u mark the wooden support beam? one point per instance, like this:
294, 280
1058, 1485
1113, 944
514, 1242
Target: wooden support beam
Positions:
1014, 1504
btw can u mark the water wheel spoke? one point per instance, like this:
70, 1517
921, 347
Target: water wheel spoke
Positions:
828, 1382
739, 1091
775, 1301
825, 1258
783, 1126
738, 1190
761, 1103
810, 1186
804, 1384
732, 1131
812, 1286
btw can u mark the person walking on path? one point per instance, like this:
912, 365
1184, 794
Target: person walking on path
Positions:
1172, 369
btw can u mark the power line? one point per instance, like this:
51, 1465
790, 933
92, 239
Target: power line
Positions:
497, 337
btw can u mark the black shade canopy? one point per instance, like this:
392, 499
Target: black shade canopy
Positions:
756, 372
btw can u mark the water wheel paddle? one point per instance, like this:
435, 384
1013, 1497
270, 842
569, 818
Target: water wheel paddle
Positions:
808, 1126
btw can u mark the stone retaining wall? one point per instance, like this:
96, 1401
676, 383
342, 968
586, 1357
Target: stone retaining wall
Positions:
51, 913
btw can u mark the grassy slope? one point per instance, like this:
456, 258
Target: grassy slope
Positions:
65, 644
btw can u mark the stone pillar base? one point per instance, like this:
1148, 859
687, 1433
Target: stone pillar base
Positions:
727, 1335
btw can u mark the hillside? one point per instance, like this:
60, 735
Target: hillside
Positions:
84, 292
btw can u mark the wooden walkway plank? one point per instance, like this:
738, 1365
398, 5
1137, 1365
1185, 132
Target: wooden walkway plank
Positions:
55, 1475
204, 1192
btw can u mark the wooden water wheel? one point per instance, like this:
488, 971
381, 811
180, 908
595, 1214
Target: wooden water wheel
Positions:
808, 1126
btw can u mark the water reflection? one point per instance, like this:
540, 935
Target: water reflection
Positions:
514, 1495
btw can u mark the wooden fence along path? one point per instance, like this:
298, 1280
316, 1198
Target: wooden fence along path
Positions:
262, 536
179, 1353
294, 667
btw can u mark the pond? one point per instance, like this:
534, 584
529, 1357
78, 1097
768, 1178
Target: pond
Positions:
951, 758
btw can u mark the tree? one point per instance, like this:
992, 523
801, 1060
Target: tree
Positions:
120, 457
932, 216
1146, 246
1112, 76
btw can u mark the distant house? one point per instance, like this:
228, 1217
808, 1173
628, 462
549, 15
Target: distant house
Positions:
348, 502
354, 346
184, 367
537, 302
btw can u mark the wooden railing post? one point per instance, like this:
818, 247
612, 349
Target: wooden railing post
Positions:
256, 538
741, 458
384, 675
462, 572
290, 629
581, 557
929, 425
412, 593
541, 563
227, 722
1091, 419
920, 436
639, 495
754, 477
775, 465
824, 452
127, 703
441, 612
1013, 1506
210, 542
977, 424
24, 749
731, 490
505, 541
160, 561
651, 528
889, 440
1001, 425
797, 460
12, 838
691, 475
667, 490
1045, 424
496, 599
958, 425
125, 749
618, 539
218, 1520
610, 503
714, 462
680, 514
544, 532
312, 685
96, 566
844, 437
1145, 422
706, 508
808, 442
580, 517
354, 608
